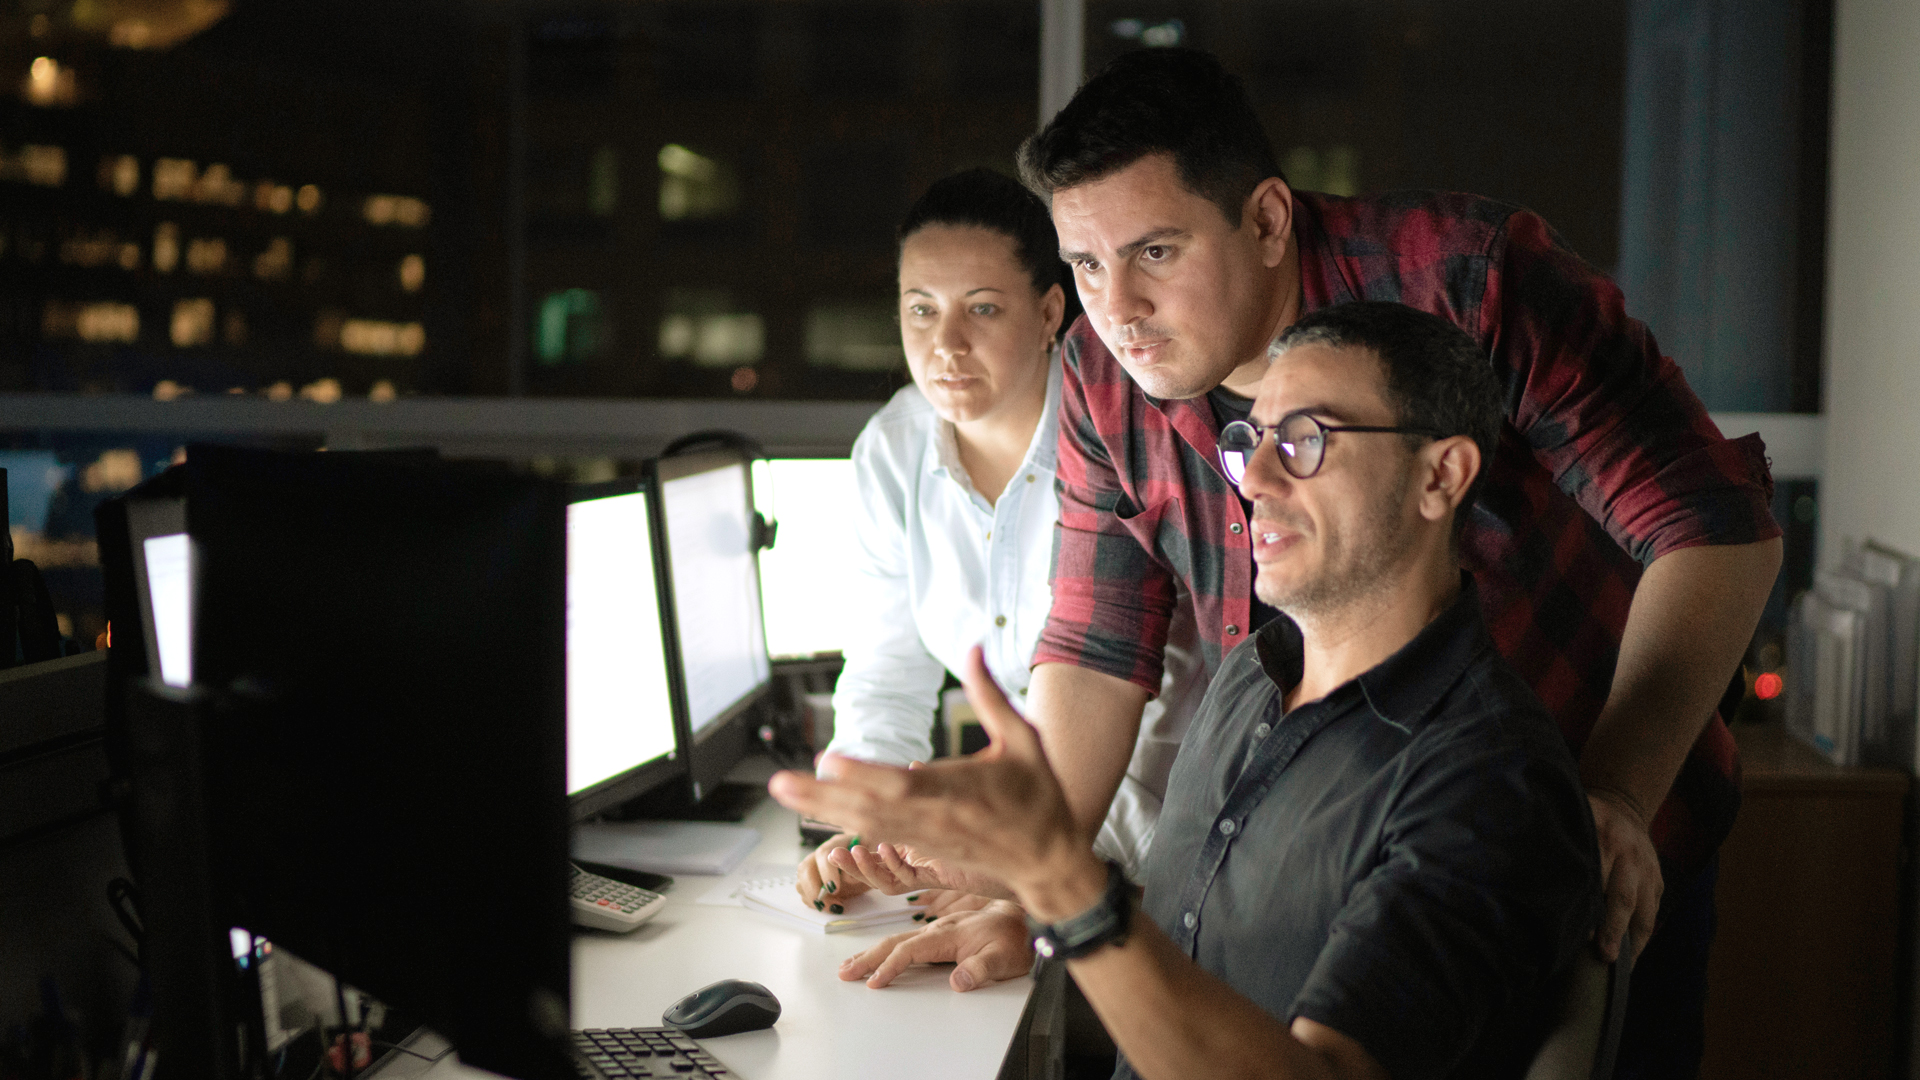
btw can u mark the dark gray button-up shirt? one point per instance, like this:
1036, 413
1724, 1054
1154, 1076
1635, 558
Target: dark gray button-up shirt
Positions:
1409, 861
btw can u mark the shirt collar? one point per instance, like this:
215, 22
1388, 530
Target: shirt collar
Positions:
1403, 688
1042, 453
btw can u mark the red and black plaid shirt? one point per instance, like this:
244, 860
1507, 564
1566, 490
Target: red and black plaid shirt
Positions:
1606, 462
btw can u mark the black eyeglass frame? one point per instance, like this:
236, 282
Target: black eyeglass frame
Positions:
1260, 433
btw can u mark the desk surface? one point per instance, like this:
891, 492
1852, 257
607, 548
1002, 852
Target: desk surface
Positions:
827, 1028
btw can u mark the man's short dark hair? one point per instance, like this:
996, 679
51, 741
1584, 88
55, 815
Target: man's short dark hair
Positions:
985, 199
1157, 101
1437, 376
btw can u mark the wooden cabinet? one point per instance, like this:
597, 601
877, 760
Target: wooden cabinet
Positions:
1802, 975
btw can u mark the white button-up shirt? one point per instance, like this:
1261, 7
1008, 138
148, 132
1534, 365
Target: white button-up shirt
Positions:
938, 570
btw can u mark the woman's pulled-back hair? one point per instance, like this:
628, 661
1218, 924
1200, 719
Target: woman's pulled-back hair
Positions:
985, 199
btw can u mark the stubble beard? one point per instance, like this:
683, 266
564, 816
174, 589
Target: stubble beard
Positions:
1355, 568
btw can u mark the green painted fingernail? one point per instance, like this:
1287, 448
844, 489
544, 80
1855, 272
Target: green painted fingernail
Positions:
819, 906
852, 842
837, 910
930, 918
914, 899
920, 916
831, 887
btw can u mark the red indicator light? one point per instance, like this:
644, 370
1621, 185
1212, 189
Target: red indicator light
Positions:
1768, 686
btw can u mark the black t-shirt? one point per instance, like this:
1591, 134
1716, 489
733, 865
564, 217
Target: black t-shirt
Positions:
1227, 407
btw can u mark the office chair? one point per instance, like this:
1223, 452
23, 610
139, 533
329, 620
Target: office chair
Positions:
1585, 1041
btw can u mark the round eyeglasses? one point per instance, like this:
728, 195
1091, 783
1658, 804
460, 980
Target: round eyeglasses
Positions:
1301, 440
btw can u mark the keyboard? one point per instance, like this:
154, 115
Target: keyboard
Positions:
606, 904
640, 1053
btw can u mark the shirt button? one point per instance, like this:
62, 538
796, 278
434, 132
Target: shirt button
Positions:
1029, 478
1261, 731
1235, 529
1188, 920
1227, 828
1233, 631
999, 620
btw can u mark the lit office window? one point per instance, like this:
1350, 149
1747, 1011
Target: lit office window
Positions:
166, 247
308, 199
101, 321
276, 262
50, 83
570, 326
696, 187
855, 337
706, 327
413, 273
206, 255
192, 323
376, 337
272, 198
174, 179
217, 186
120, 174
107, 321
322, 391
401, 210
41, 166
91, 249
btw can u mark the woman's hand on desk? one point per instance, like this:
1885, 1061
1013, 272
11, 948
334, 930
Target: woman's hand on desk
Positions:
895, 868
820, 883
985, 946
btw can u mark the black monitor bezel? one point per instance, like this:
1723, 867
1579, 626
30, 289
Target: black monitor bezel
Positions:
658, 772
711, 753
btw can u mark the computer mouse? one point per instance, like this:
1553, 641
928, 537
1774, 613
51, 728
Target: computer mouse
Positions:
728, 1007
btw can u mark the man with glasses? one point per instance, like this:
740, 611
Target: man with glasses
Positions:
1375, 857
1622, 549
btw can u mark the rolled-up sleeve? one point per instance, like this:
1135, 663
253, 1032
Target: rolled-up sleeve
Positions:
1611, 418
1112, 598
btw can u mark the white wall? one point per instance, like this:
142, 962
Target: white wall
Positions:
1872, 482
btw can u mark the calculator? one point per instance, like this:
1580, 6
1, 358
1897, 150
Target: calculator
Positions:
606, 904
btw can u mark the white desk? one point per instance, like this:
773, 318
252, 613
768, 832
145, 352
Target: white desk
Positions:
917, 1027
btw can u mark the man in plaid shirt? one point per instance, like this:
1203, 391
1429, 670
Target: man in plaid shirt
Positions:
1622, 547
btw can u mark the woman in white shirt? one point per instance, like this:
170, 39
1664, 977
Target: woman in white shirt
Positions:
952, 538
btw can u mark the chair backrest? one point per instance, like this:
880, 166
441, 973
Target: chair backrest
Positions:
1586, 1038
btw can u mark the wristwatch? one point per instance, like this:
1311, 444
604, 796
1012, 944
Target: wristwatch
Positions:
1105, 923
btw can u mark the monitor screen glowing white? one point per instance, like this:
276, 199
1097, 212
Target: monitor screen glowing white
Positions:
170, 592
716, 590
619, 712
805, 578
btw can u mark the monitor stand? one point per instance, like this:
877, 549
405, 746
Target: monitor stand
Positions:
674, 802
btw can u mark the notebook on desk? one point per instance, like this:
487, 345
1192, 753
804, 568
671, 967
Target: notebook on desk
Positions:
775, 897
665, 847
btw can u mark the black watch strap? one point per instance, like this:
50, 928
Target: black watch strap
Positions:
1105, 923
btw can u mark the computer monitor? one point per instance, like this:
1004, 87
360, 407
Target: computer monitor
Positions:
720, 644
163, 585
369, 766
806, 578
621, 733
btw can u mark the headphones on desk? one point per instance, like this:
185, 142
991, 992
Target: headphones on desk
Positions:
764, 530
